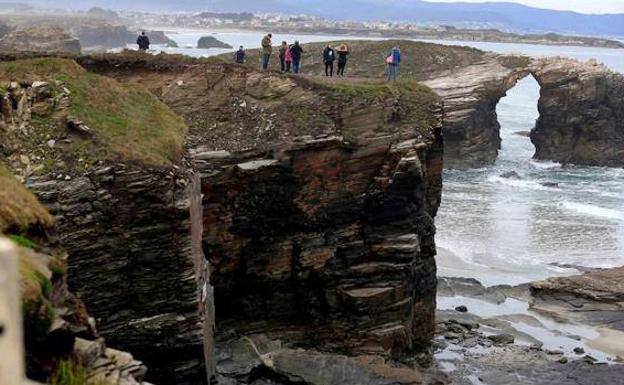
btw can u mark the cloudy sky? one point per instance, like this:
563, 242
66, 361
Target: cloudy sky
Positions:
585, 6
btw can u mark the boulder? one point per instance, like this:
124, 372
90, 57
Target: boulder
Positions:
594, 298
206, 42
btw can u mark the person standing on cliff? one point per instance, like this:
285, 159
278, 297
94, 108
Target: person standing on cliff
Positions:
240, 55
393, 60
282, 55
296, 51
143, 42
329, 56
267, 50
343, 52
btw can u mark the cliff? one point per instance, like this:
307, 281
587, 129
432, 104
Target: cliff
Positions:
59, 337
48, 39
318, 204
89, 147
580, 120
581, 113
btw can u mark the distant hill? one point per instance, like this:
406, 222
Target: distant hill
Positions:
510, 15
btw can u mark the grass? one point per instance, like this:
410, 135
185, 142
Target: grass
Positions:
22, 241
415, 102
128, 123
514, 61
419, 60
36, 307
19, 208
71, 372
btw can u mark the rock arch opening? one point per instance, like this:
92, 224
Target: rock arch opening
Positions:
517, 114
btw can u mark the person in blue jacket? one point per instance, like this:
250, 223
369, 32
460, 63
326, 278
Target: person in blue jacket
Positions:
393, 60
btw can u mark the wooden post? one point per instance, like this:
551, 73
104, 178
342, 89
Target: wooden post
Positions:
11, 338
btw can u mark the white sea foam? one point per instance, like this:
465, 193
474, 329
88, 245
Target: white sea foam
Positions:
521, 183
545, 165
592, 210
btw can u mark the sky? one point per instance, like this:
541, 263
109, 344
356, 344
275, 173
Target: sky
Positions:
584, 6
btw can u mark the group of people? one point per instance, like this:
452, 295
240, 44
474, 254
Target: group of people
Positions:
329, 57
290, 58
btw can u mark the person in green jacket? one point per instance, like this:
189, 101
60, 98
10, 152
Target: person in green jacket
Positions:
267, 49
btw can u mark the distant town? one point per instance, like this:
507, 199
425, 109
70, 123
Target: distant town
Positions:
105, 22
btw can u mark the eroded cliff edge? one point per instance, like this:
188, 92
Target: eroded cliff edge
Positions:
579, 104
318, 206
107, 162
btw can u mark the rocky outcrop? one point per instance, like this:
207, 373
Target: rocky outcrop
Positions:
257, 359
594, 298
129, 235
324, 239
581, 113
318, 204
211, 42
580, 109
104, 36
40, 40
470, 95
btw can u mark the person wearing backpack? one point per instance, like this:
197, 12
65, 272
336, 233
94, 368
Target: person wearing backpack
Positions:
240, 55
329, 56
393, 60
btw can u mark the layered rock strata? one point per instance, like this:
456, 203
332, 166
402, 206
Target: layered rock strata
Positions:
325, 238
470, 95
581, 113
318, 203
129, 236
594, 298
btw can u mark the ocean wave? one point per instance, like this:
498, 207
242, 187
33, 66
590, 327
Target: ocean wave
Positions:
545, 164
522, 183
592, 210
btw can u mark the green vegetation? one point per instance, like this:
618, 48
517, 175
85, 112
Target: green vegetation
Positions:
412, 103
128, 124
71, 372
19, 208
419, 60
514, 61
22, 241
36, 307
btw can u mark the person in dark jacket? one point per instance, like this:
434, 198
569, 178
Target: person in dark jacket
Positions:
343, 52
143, 42
329, 56
240, 55
296, 51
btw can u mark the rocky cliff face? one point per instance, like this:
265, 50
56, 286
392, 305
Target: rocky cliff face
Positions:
128, 233
318, 205
470, 95
39, 40
324, 239
581, 113
134, 254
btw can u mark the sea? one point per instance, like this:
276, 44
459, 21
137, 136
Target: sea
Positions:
498, 230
